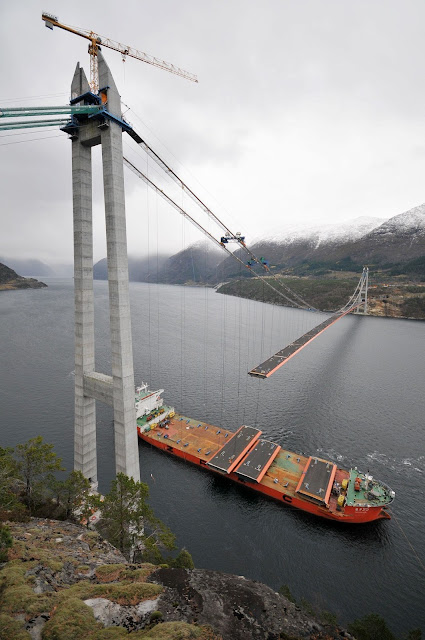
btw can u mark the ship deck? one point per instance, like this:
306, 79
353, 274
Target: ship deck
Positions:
203, 440
304, 481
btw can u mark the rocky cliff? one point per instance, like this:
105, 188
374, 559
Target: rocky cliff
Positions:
64, 582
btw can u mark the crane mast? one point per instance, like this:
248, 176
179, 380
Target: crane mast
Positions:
95, 40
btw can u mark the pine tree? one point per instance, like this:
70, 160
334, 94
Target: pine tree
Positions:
128, 521
36, 461
71, 493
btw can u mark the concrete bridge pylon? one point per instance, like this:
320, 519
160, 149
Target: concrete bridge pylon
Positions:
116, 390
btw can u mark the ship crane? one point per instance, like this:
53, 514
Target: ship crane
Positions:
95, 40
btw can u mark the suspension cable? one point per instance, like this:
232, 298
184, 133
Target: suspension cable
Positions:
184, 213
139, 140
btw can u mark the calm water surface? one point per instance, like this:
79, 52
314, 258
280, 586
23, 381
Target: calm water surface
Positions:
356, 396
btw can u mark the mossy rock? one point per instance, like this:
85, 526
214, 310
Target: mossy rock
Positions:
125, 593
11, 628
82, 568
22, 599
109, 572
72, 620
13, 574
91, 535
176, 631
139, 573
54, 565
114, 633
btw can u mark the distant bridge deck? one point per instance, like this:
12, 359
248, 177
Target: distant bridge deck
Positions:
272, 364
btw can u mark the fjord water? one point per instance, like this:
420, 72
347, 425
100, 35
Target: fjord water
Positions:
356, 396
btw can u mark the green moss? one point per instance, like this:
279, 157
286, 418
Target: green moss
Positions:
124, 592
91, 535
55, 565
92, 538
174, 631
13, 574
109, 572
22, 599
138, 575
105, 569
6, 542
11, 628
72, 620
113, 633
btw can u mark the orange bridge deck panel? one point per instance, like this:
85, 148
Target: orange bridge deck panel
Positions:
229, 456
317, 480
258, 460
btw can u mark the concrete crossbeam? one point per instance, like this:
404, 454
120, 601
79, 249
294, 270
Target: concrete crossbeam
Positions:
99, 386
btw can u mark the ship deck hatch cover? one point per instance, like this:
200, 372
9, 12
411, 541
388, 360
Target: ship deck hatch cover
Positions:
232, 452
317, 480
258, 460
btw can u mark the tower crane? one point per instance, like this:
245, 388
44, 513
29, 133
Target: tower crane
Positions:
95, 40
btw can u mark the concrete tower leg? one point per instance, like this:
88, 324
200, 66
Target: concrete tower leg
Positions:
85, 459
126, 444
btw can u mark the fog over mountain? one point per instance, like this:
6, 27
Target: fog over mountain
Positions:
300, 251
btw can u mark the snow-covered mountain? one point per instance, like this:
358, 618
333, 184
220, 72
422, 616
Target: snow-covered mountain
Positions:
410, 223
364, 240
347, 231
399, 239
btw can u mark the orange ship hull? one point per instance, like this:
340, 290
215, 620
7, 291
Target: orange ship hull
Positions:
307, 483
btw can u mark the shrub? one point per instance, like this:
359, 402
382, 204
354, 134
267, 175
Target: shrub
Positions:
182, 561
286, 592
156, 616
371, 627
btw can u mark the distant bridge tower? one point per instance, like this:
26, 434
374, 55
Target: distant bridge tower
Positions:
362, 294
116, 390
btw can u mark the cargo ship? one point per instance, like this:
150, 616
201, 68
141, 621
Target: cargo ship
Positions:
309, 483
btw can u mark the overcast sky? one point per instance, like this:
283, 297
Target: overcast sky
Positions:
306, 111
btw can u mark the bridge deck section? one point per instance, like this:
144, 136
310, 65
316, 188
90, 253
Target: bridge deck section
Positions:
229, 456
317, 480
273, 363
258, 460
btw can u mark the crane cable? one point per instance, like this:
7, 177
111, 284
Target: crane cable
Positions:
184, 213
139, 140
